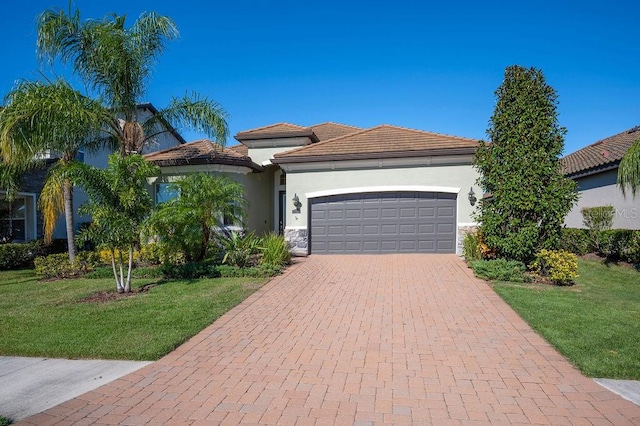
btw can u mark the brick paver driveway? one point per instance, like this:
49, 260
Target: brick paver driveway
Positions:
359, 340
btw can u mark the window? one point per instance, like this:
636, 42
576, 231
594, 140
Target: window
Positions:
165, 192
229, 220
283, 178
13, 219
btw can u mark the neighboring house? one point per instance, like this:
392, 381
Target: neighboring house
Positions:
23, 216
595, 170
20, 220
333, 188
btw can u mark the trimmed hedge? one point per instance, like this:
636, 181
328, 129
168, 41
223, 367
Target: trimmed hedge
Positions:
21, 255
613, 244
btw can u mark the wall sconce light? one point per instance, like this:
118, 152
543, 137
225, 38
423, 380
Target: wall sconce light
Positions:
472, 197
296, 203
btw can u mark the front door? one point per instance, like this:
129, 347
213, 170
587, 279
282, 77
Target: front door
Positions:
282, 212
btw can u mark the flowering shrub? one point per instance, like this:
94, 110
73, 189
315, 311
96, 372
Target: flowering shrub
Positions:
561, 267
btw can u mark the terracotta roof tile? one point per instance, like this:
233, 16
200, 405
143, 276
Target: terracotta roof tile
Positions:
379, 142
274, 130
201, 151
329, 130
600, 155
240, 149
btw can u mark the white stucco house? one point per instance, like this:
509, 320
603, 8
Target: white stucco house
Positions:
595, 170
333, 188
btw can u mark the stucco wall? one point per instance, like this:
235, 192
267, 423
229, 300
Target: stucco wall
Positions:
456, 176
600, 190
263, 150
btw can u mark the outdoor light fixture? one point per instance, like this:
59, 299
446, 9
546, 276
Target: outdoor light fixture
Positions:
472, 197
296, 203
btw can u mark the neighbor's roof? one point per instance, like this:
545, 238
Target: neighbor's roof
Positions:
202, 151
278, 130
169, 127
383, 141
599, 156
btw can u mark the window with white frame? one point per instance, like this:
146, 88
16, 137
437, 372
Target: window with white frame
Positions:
13, 219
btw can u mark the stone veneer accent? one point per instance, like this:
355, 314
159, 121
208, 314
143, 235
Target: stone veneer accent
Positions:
298, 240
462, 232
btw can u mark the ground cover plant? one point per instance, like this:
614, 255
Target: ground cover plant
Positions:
86, 318
593, 323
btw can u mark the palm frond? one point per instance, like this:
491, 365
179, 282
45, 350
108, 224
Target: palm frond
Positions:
629, 170
194, 112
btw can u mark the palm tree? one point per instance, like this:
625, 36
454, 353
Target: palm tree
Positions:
118, 204
113, 62
185, 222
629, 170
42, 118
116, 62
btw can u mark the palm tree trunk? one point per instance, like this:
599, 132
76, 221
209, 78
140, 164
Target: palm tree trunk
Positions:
115, 272
67, 193
127, 286
206, 234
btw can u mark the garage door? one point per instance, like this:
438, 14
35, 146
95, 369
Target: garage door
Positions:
387, 222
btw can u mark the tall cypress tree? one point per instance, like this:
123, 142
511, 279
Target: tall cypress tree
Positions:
529, 196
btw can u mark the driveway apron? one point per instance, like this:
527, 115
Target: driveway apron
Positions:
359, 340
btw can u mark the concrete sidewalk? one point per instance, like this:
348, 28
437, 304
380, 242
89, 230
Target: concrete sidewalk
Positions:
32, 385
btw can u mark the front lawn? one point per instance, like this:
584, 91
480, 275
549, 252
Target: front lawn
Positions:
65, 319
595, 323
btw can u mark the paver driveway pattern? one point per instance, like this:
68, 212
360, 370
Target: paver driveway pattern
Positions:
359, 340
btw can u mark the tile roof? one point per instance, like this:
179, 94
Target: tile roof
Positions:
278, 130
240, 149
380, 142
601, 155
331, 130
201, 151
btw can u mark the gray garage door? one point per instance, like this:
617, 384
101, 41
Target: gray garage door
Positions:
384, 222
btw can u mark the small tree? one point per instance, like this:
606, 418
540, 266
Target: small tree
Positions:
118, 204
186, 222
520, 168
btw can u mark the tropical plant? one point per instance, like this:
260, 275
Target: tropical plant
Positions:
561, 267
239, 248
275, 250
116, 62
40, 118
113, 62
188, 222
118, 204
629, 170
520, 168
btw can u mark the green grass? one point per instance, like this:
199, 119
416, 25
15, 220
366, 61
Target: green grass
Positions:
49, 319
595, 323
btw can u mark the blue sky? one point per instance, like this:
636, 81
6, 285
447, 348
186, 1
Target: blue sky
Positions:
418, 64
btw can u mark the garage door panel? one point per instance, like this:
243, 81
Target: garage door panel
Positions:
383, 223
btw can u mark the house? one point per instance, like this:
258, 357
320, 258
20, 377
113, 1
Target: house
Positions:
595, 169
333, 188
22, 220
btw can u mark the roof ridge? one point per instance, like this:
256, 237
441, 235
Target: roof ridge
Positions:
334, 123
272, 125
427, 132
325, 141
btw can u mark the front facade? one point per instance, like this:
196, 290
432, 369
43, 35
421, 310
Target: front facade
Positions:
595, 169
333, 188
